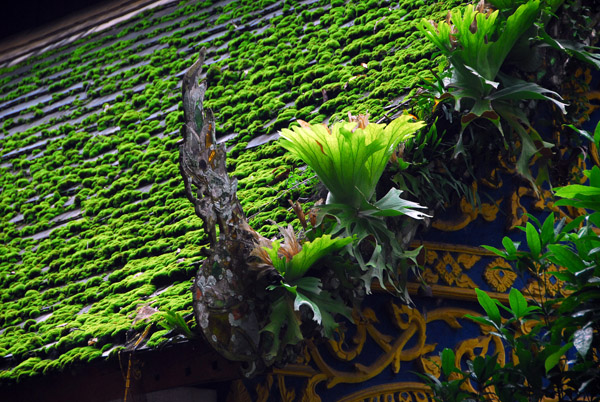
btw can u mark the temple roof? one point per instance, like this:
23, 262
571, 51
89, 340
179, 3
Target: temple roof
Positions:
96, 235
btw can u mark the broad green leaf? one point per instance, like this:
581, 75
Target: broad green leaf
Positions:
495, 250
292, 289
519, 90
564, 257
554, 358
309, 284
594, 251
392, 205
515, 118
586, 202
563, 275
571, 225
282, 315
489, 306
438, 35
303, 300
517, 302
481, 320
583, 133
375, 269
572, 48
536, 221
509, 245
575, 190
448, 358
595, 218
330, 306
478, 367
277, 262
516, 25
293, 333
594, 173
412, 254
548, 229
399, 130
491, 83
533, 240
311, 252
582, 340
503, 4
477, 50
308, 292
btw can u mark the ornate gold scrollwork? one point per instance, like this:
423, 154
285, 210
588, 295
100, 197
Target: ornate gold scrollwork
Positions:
448, 263
499, 275
468, 213
412, 326
402, 392
450, 269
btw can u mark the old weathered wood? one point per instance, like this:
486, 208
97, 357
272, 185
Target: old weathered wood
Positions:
223, 296
185, 364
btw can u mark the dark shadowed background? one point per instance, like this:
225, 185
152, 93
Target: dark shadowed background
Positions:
20, 16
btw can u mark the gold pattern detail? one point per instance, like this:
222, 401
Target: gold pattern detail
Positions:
286, 395
480, 346
454, 293
402, 392
468, 213
591, 95
429, 276
447, 262
444, 263
546, 285
499, 275
450, 269
431, 365
518, 213
544, 201
493, 181
412, 327
339, 347
263, 390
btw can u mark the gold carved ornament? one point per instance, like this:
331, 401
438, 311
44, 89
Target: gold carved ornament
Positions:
412, 326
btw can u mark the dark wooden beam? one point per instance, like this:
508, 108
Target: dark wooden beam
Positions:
187, 364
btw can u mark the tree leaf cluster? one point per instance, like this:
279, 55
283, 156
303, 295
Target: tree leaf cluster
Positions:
558, 357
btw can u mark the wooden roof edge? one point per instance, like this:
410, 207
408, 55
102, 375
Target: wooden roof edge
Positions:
183, 364
21, 46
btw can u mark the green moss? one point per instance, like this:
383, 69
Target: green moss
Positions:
123, 247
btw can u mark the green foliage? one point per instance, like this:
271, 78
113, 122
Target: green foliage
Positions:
174, 321
477, 45
558, 357
368, 225
350, 159
295, 267
573, 49
347, 158
292, 261
425, 169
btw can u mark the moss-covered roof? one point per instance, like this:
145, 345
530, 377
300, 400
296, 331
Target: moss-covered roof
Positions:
94, 223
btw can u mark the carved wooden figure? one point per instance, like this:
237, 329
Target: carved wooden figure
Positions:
223, 297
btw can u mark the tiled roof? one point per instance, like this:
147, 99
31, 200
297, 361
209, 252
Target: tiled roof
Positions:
94, 223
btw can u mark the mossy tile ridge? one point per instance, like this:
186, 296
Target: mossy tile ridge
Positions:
94, 223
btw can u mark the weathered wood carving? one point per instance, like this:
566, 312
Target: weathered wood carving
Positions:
223, 294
